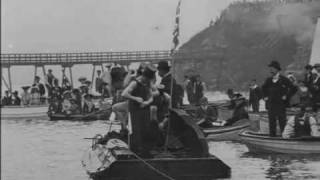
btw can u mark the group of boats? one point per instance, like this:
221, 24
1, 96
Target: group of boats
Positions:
192, 154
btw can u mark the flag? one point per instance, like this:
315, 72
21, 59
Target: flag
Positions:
176, 30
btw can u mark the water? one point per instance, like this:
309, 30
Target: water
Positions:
42, 149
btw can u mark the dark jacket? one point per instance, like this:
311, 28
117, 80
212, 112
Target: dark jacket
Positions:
211, 114
176, 91
255, 95
6, 100
275, 91
315, 90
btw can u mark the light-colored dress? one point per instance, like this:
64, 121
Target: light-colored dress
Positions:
25, 98
289, 130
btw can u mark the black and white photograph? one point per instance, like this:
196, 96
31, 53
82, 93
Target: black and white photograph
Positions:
160, 90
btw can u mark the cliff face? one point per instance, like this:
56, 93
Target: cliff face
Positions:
248, 35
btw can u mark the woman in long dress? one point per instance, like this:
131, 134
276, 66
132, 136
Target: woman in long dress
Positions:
139, 94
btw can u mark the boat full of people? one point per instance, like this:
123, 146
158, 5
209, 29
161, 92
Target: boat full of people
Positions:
30, 104
185, 157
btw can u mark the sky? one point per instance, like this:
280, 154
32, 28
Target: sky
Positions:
35, 26
100, 25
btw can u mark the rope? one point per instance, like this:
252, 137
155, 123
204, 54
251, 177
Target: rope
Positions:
152, 167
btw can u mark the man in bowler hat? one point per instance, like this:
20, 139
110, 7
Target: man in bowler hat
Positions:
164, 73
277, 91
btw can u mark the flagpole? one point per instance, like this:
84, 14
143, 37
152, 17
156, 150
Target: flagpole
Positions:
176, 33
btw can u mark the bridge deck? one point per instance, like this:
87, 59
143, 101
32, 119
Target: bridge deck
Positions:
68, 59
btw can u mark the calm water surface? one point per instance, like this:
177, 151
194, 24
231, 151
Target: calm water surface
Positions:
42, 149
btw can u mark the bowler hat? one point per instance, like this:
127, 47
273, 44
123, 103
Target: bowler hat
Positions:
164, 65
275, 64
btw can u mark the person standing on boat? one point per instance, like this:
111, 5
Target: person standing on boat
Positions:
199, 88
6, 100
315, 88
255, 94
49, 78
56, 90
188, 88
277, 90
166, 81
40, 86
99, 82
25, 96
35, 96
16, 101
302, 124
308, 75
139, 94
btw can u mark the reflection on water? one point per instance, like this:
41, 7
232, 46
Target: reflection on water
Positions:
42, 149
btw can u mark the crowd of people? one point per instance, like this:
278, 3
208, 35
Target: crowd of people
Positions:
280, 92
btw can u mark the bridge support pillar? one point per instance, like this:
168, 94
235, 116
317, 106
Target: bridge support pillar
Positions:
71, 76
9, 77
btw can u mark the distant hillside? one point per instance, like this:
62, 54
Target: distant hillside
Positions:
249, 35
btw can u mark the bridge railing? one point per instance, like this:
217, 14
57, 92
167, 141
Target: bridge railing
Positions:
94, 57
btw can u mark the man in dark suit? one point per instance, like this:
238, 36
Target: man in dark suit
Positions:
308, 75
277, 91
315, 88
166, 81
255, 95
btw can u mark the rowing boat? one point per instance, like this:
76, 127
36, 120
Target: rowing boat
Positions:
263, 143
223, 133
191, 161
24, 112
98, 115
227, 133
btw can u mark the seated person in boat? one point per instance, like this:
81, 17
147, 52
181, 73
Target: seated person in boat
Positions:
76, 95
302, 124
35, 96
16, 101
69, 105
25, 96
55, 106
205, 114
88, 106
41, 87
6, 100
240, 110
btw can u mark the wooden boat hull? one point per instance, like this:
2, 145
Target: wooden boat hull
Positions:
262, 143
24, 112
81, 117
179, 169
227, 133
191, 161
